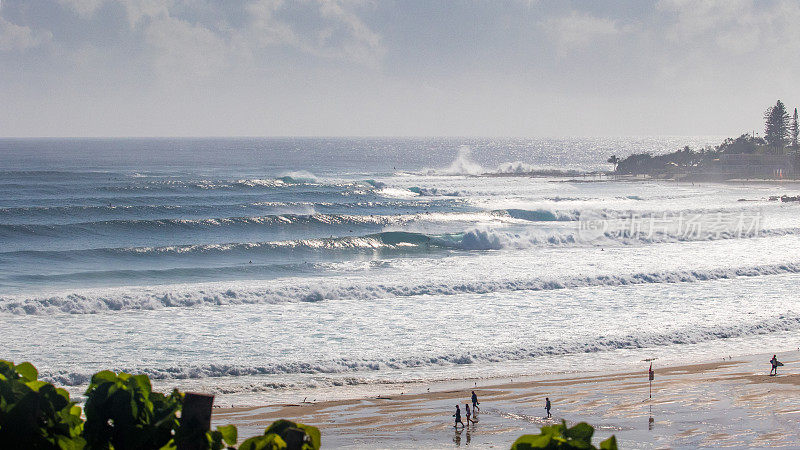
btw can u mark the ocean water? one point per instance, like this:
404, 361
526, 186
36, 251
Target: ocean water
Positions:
273, 269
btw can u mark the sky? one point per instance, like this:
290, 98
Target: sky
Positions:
512, 68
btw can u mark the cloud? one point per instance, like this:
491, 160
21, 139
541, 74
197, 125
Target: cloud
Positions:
735, 26
185, 51
19, 38
329, 29
578, 30
84, 8
333, 30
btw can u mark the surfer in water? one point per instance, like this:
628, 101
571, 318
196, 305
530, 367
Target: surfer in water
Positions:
457, 415
547, 407
475, 402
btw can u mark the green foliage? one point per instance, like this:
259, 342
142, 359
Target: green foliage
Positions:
227, 434
35, 414
561, 437
745, 143
265, 442
776, 125
284, 434
122, 412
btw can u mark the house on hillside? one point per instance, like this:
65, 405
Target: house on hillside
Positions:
754, 165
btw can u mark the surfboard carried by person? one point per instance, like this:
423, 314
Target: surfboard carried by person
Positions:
775, 364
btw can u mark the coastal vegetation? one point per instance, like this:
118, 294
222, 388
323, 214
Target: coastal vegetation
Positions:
774, 155
561, 437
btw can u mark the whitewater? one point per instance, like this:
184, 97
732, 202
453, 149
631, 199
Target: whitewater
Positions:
267, 270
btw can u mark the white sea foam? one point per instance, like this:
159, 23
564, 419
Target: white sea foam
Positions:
645, 339
117, 299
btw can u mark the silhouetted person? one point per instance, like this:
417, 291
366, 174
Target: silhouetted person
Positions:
457, 415
775, 363
475, 402
547, 407
467, 412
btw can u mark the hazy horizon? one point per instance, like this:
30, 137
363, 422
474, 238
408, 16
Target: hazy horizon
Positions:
359, 68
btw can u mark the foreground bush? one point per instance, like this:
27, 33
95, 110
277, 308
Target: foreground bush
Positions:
35, 414
122, 412
561, 437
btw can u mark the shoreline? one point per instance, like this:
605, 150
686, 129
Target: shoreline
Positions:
728, 402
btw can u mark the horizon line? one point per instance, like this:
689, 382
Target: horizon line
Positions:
574, 136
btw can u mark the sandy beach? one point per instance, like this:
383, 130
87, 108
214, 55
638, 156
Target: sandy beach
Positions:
730, 403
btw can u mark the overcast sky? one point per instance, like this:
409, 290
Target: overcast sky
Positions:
394, 68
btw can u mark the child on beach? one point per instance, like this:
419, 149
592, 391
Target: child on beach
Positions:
475, 402
457, 415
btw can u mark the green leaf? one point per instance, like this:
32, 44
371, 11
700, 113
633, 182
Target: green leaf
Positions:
143, 383
27, 371
582, 432
105, 376
267, 442
531, 441
609, 444
229, 434
63, 393
35, 385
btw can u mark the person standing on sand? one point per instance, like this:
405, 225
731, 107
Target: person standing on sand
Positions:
466, 411
547, 407
457, 415
775, 364
475, 402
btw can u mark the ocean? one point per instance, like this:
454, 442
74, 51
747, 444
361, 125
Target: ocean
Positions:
266, 270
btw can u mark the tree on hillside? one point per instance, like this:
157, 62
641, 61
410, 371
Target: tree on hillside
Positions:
776, 128
795, 129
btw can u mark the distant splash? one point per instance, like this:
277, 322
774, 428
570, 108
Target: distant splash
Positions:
683, 336
121, 299
463, 164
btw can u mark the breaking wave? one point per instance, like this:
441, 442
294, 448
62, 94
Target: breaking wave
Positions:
117, 299
683, 336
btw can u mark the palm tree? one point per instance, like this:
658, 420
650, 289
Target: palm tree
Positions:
614, 160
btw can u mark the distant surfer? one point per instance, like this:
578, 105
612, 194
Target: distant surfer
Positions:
775, 364
475, 402
457, 415
547, 407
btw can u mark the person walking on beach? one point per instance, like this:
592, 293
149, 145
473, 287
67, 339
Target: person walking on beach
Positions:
475, 402
457, 415
547, 407
775, 363
467, 412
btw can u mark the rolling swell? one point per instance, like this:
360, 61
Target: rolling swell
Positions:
197, 295
117, 227
476, 239
683, 336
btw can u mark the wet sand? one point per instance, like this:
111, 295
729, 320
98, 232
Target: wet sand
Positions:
731, 403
